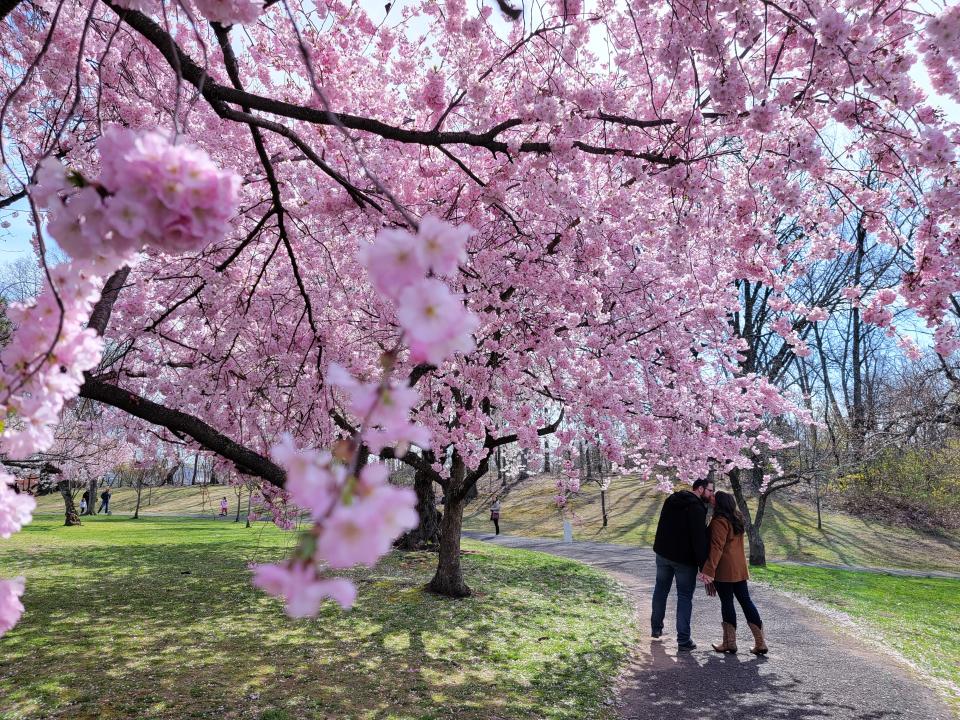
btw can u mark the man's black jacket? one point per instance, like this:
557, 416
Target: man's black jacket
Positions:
682, 530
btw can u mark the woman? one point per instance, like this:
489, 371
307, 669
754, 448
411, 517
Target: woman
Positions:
727, 565
495, 514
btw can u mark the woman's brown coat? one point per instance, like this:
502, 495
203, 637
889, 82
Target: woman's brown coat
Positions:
726, 560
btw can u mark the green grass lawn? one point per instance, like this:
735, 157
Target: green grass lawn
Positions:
156, 619
917, 617
789, 527
166, 500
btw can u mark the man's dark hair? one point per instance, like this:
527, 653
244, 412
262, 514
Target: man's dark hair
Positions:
702, 483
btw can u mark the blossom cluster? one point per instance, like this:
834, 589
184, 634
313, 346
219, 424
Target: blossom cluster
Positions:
42, 367
434, 320
357, 517
149, 193
15, 511
357, 513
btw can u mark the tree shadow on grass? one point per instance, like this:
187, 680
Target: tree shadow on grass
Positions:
175, 630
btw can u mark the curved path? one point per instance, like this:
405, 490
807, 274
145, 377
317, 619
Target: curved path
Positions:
812, 672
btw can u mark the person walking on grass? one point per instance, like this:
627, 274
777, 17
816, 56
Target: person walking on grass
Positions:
681, 548
495, 515
105, 501
223, 506
726, 565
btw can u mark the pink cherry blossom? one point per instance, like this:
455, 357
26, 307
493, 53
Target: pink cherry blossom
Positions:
15, 508
442, 246
435, 320
313, 481
10, 606
392, 262
301, 589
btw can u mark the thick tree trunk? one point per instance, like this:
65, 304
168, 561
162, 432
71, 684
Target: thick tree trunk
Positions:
603, 506
91, 497
71, 517
239, 498
427, 533
448, 579
758, 553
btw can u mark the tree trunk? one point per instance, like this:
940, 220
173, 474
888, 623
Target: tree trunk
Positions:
816, 485
546, 457
427, 533
758, 553
603, 506
91, 497
249, 497
448, 580
857, 411
136, 511
239, 498
70, 515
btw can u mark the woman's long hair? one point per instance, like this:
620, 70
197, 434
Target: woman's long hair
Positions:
726, 507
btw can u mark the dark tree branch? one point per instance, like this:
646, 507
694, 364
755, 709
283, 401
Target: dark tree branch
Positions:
11, 199
100, 317
493, 442
218, 96
6, 7
180, 423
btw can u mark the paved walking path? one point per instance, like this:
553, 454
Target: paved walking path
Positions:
813, 671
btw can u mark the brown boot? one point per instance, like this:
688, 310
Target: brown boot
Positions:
759, 644
729, 644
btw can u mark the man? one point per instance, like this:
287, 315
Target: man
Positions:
681, 548
105, 501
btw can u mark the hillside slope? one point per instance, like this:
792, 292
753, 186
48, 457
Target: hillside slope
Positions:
789, 527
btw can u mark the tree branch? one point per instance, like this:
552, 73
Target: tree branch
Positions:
247, 461
218, 96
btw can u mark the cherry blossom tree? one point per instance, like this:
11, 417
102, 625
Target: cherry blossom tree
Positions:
327, 225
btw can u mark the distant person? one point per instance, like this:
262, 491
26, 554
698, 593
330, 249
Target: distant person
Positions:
105, 501
495, 515
681, 548
83, 504
223, 506
85, 500
727, 565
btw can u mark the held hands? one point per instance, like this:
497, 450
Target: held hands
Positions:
707, 584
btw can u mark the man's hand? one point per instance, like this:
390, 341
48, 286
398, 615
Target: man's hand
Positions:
711, 589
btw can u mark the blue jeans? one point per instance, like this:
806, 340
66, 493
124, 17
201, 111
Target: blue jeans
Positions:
686, 576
